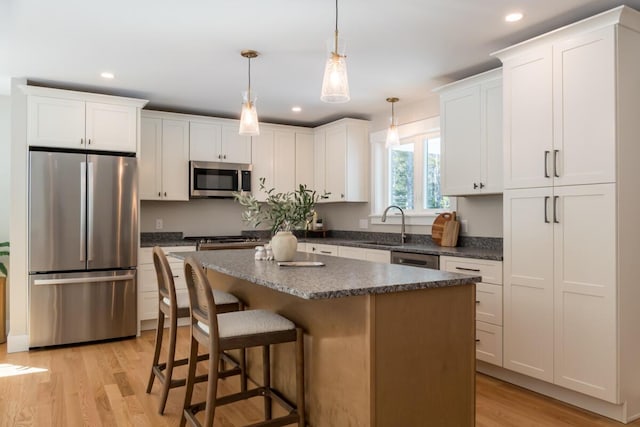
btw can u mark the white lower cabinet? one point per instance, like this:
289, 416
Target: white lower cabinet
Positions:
322, 249
374, 255
560, 286
488, 303
148, 284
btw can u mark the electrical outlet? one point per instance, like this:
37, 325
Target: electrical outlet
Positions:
364, 224
464, 226
158, 223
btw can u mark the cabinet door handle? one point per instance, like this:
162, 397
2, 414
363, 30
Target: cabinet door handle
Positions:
477, 340
546, 163
341, 195
476, 270
89, 141
165, 194
555, 209
477, 302
546, 208
219, 156
555, 163
475, 186
481, 185
224, 157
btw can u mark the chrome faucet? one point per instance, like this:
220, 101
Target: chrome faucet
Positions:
403, 237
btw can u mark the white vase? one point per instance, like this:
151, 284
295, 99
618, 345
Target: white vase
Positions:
284, 245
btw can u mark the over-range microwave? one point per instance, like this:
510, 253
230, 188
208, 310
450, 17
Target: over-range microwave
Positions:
215, 179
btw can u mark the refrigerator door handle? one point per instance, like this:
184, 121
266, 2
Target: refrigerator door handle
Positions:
83, 208
91, 203
45, 282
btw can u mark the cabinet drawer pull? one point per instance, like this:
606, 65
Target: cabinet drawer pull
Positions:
477, 270
175, 276
555, 163
325, 252
477, 340
546, 208
477, 302
555, 209
546, 162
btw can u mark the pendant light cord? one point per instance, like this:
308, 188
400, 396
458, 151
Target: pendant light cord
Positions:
336, 33
249, 88
393, 115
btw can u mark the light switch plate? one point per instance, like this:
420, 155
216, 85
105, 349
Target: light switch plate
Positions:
159, 224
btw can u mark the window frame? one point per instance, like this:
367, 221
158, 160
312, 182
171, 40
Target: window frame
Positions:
410, 132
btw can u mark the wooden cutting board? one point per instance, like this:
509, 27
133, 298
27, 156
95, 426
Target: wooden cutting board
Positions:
437, 228
445, 229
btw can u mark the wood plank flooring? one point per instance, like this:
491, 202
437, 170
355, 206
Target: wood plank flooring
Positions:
104, 385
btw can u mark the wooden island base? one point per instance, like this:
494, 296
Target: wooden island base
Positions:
383, 360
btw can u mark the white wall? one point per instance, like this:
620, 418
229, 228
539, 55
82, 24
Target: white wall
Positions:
5, 162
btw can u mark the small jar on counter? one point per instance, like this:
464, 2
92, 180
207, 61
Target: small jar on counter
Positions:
261, 254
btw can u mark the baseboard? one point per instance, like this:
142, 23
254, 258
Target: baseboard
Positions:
17, 343
609, 410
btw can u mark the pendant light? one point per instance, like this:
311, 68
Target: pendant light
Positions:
392, 134
335, 85
249, 118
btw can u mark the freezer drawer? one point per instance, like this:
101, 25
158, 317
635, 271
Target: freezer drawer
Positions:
79, 307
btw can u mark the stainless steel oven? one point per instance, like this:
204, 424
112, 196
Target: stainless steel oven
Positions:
217, 179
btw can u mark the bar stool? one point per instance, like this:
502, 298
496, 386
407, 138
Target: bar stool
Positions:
238, 330
175, 307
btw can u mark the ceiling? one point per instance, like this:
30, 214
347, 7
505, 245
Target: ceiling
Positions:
185, 55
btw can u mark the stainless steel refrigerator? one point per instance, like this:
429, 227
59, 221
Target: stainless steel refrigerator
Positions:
83, 242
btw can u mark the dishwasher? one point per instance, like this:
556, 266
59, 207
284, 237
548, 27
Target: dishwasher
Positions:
415, 260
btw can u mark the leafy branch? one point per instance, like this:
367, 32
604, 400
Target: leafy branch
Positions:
3, 268
281, 211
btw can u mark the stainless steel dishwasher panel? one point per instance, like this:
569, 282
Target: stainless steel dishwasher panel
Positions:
69, 308
416, 260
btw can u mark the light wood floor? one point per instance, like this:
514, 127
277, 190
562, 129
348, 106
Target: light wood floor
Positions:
104, 385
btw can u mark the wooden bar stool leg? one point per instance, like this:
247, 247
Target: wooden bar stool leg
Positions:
266, 380
168, 373
300, 376
191, 379
212, 388
243, 370
156, 354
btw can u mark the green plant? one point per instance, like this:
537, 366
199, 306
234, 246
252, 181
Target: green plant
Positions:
3, 268
282, 211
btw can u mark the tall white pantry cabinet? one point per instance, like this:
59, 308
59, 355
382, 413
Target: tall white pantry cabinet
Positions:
572, 210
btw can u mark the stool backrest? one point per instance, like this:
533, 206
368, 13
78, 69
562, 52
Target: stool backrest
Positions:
166, 285
202, 303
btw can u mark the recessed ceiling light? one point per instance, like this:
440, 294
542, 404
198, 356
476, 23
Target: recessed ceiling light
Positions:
107, 75
296, 109
513, 17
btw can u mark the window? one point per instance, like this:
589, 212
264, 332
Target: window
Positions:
408, 175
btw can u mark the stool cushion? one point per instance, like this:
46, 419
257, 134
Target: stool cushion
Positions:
249, 322
220, 297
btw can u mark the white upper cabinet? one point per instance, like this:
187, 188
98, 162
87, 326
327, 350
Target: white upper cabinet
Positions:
78, 120
304, 160
471, 129
164, 159
275, 157
560, 108
212, 141
342, 159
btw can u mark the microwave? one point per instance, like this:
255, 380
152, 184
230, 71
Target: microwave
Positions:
215, 179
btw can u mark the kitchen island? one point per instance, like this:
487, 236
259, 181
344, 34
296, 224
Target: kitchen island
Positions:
385, 345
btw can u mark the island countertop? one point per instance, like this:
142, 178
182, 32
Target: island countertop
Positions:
338, 278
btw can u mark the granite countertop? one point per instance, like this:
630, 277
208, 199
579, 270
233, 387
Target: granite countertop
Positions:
340, 277
425, 246
461, 251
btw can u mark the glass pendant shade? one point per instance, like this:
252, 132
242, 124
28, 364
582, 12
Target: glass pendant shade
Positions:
249, 124
392, 136
335, 84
